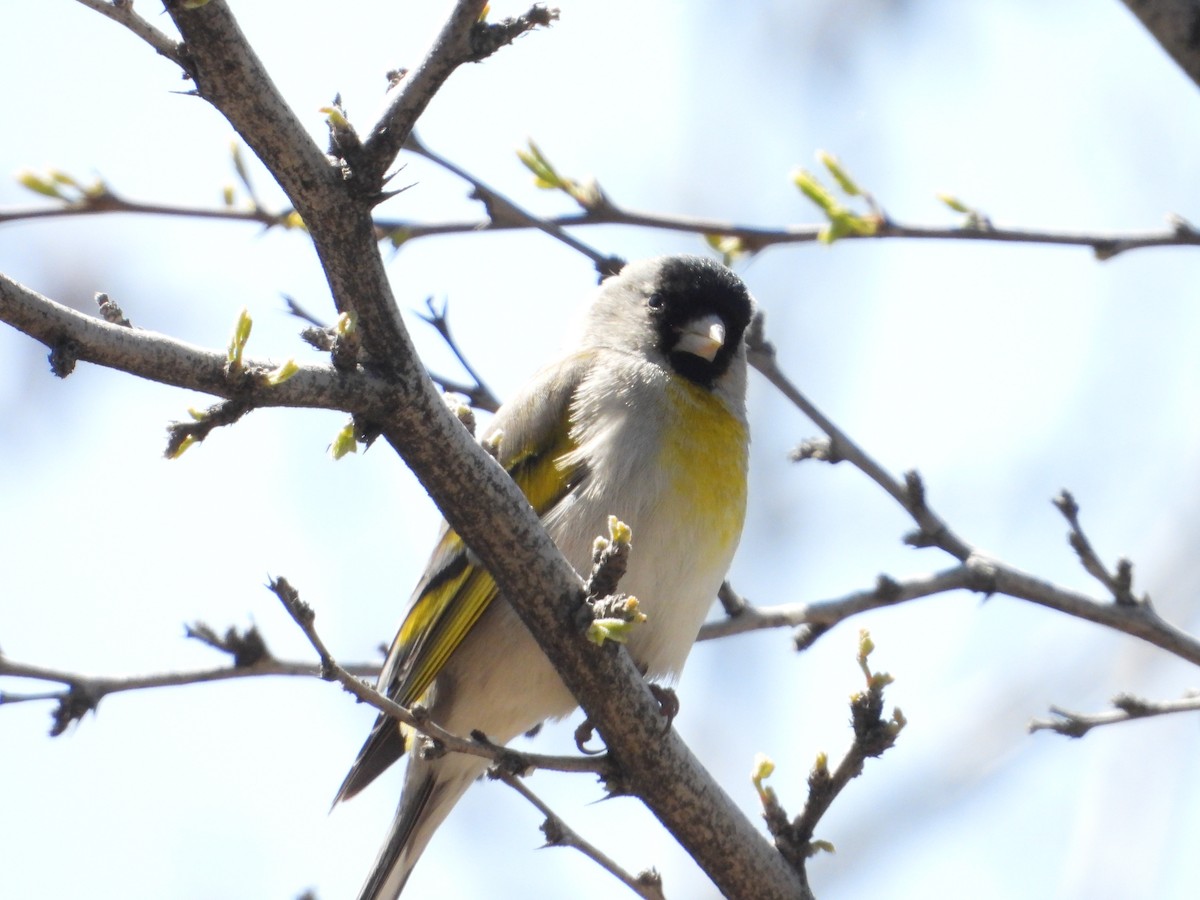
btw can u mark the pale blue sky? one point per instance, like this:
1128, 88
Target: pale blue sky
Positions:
1003, 373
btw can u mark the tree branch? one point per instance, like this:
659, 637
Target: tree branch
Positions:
250, 658
109, 202
501, 209
464, 38
506, 215
816, 618
121, 12
478, 499
1128, 707
873, 736
1120, 584
157, 357
754, 238
1175, 25
330, 670
84, 692
978, 572
647, 884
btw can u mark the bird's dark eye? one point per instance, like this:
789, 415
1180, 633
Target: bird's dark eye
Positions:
655, 301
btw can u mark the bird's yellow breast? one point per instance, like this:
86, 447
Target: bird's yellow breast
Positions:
706, 449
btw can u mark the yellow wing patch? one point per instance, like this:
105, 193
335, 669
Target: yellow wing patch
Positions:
461, 589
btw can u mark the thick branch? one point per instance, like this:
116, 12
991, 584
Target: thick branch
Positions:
477, 497
1175, 24
158, 357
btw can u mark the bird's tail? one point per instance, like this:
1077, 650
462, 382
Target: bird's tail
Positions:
431, 788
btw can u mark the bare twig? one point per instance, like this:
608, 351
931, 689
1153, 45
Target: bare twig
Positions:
108, 202
418, 718
873, 736
480, 396
647, 884
505, 215
1128, 707
345, 357
932, 531
464, 38
121, 12
1119, 584
84, 692
501, 208
753, 238
816, 618
980, 572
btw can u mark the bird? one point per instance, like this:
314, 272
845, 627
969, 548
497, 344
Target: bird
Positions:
643, 418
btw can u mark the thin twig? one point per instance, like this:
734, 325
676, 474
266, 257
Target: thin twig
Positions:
505, 215
983, 573
101, 686
480, 396
814, 619
1128, 707
84, 692
873, 736
464, 38
324, 338
503, 209
932, 531
1120, 583
121, 12
558, 834
753, 238
331, 670
108, 202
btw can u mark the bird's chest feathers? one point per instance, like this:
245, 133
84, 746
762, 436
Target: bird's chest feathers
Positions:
671, 457
703, 452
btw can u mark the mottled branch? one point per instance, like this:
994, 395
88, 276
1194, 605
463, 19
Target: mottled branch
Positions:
1175, 24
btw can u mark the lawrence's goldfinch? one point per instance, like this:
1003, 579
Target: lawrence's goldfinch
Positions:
644, 420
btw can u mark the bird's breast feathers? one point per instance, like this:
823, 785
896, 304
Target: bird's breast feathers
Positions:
667, 457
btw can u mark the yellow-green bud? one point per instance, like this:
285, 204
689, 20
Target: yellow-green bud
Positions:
241, 334
845, 182
283, 373
344, 442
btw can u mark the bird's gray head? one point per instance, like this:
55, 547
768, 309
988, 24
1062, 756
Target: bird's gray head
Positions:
687, 312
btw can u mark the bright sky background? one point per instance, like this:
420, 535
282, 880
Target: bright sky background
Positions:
1003, 373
